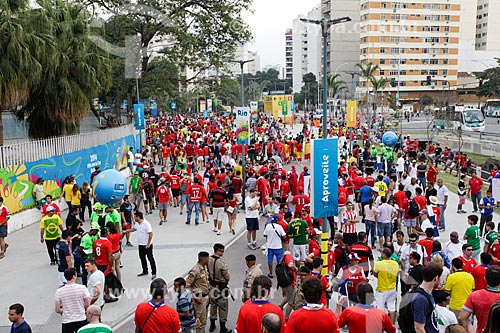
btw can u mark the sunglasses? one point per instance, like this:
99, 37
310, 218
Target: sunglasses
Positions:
412, 240
468, 249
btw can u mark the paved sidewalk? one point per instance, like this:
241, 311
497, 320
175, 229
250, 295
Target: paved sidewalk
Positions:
28, 278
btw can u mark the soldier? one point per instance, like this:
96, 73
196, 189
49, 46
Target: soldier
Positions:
197, 283
252, 272
219, 278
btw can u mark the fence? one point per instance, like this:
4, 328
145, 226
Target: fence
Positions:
30, 151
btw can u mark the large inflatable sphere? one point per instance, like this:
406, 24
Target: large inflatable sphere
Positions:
110, 187
389, 139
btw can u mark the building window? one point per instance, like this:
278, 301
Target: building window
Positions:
433, 72
447, 29
446, 39
393, 72
394, 39
434, 62
445, 51
382, 16
382, 72
436, 6
383, 5
382, 61
445, 61
424, 72
395, 50
382, 50
425, 61
446, 17
445, 72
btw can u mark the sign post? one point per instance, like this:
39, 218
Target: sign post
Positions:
324, 186
140, 122
242, 122
352, 108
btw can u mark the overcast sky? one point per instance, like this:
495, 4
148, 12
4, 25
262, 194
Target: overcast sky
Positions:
269, 22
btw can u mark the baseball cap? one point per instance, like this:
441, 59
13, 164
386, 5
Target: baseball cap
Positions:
50, 209
353, 256
98, 206
315, 232
136, 172
94, 226
306, 167
424, 212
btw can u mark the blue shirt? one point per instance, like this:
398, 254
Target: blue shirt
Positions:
23, 327
485, 201
420, 306
185, 303
62, 251
365, 193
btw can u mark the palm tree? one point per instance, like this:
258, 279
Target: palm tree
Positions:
368, 71
75, 71
335, 85
19, 68
377, 85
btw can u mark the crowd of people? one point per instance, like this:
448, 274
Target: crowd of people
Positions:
391, 202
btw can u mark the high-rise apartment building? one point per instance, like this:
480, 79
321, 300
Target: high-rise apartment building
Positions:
242, 53
414, 42
289, 54
487, 25
306, 48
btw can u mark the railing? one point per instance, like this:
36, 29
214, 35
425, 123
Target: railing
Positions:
33, 150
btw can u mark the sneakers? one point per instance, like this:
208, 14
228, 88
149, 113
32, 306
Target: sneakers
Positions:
153, 276
180, 213
142, 274
161, 222
219, 232
214, 230
249, 245
52, 263
128, 244
2, 255
232, 231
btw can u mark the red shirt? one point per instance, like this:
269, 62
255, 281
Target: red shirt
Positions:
288, 262
468, 264
163, 320
299, 201
314, 246
495, 252
479, 303
195, 192
175, 182
162, 193
306, 320
475, 185
421, 201
325, 284
356, 317
4, 213
101, 248
251, 313
53, 204
400, 198
115, 242
427, 243
237, 184
479, 274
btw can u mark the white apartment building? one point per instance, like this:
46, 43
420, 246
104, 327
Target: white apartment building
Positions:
289, 54
306, 54
242, 53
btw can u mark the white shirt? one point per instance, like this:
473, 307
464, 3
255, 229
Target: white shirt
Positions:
453, 250
370, 213
385, 213
249, 202
442, 192
398, 250
271, 234
143, 230
401, 164
130, 156
405, 255
425, 224
410, 187
405, 181
445, 318
94, 279
412, 171
72, 298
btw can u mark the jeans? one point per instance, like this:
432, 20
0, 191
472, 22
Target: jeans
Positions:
423, 182
196, 206
143, 253
442, 224
83, 205
476, 198
73, 327
371, 230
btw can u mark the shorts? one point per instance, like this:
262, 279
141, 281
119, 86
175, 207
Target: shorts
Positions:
162, 205
461, 199
218, 213
126, 227
448, 162
409, 222
386, 299
62, 280
3, 231
184, 199
252, 223
384, 229
299, 252
176, 192
278, 253
289, 294
131, 165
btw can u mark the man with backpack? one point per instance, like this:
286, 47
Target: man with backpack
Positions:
341, 251
416, 312
286, 276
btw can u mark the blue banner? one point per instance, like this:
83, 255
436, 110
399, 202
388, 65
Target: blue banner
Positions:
140, 122
324, 177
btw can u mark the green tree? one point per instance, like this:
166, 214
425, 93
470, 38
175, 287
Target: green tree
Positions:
490, 79
19, 49
74, 70
310, 90
229, 92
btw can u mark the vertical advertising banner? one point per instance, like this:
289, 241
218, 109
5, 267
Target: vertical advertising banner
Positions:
140, 122
242, 125
203, 106
352, 109
324, 177
209, 105
254, 111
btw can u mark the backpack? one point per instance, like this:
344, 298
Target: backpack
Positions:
342, 259
405, 318
413, 208
148, 189
283, 274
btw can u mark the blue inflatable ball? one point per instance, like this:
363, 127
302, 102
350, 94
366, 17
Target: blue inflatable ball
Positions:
389, 139
110, 187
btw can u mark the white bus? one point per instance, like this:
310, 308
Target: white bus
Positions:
492, 108
455, 117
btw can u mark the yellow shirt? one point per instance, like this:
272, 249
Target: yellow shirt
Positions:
238, 168
460, 284
67, 189
387, 271
382, 188
75, 198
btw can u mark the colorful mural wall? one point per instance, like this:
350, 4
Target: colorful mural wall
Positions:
16, 182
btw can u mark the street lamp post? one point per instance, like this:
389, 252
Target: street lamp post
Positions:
242, 63
325, 27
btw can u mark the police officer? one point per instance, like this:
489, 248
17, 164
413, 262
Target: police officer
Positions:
197, 282
219, 292
252, 272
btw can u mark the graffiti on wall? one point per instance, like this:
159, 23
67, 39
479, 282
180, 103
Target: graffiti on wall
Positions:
16, 182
